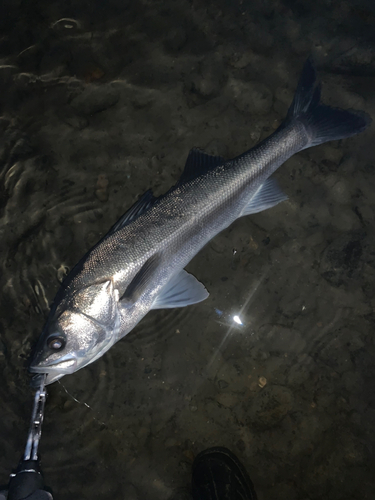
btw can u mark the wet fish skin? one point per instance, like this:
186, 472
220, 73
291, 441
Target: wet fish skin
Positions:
139, 264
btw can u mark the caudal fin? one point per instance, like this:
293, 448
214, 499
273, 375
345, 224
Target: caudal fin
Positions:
322, 123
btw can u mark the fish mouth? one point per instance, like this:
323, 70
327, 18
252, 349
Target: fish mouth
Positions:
53, 371
63, 366
50, 378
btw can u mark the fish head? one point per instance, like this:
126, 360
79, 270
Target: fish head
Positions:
80, 330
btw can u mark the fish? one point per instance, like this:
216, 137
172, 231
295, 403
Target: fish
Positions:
139, 264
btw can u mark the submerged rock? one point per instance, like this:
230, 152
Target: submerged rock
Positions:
270, 406
96, 98
278, 338
342, 259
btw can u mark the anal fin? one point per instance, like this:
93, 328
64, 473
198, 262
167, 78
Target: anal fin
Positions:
268, 195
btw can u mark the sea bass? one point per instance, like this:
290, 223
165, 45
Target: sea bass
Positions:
139, 264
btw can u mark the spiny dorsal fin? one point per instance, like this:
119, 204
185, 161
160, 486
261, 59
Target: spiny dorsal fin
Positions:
198, 162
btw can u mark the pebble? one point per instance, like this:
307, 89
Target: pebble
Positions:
227, 399
61, 272
329, 159
176, 39
181, 495
341, 260
228, 374
66, 26
140, 100
72, 119
352, 100
219, 244
2, 349
250, 97
96, 98
355, 452
101, 191
356, 55
92, 238
315, 239
241, 445
333, 154
301, 371
262, 381
270, 405
292, 29
260, 355
88, 216
129, 492
207, 81
223, 384
281, 491
170, 442
6, 73
344, 219
189, 455
336, 356
352, 339
23, 80
278, 338
320, 210
242, 59
4, 123
341, 192
283, 99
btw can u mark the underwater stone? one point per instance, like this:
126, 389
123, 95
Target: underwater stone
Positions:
341, 192
250, 97
101, 191
6, 73
96, 98
129, 492
270, 406
342, 259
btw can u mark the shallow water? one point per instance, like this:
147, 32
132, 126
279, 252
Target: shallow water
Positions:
99, 108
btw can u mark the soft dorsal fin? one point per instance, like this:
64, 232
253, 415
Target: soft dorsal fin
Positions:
183, 289
141, 206
198, 162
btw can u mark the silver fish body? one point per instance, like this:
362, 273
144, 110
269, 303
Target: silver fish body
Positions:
139, 265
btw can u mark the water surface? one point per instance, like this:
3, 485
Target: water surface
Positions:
102, 101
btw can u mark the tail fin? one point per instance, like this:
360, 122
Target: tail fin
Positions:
322, 123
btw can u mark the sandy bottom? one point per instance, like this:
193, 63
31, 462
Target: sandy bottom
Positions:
100, 106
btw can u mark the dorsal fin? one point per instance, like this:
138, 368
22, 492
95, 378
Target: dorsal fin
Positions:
141, 206
197, 163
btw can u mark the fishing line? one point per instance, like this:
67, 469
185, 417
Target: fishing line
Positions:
81, 403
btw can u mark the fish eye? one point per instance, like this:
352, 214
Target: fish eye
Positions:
56, 343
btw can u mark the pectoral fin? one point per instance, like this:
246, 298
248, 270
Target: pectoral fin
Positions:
141, 281
180, 291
